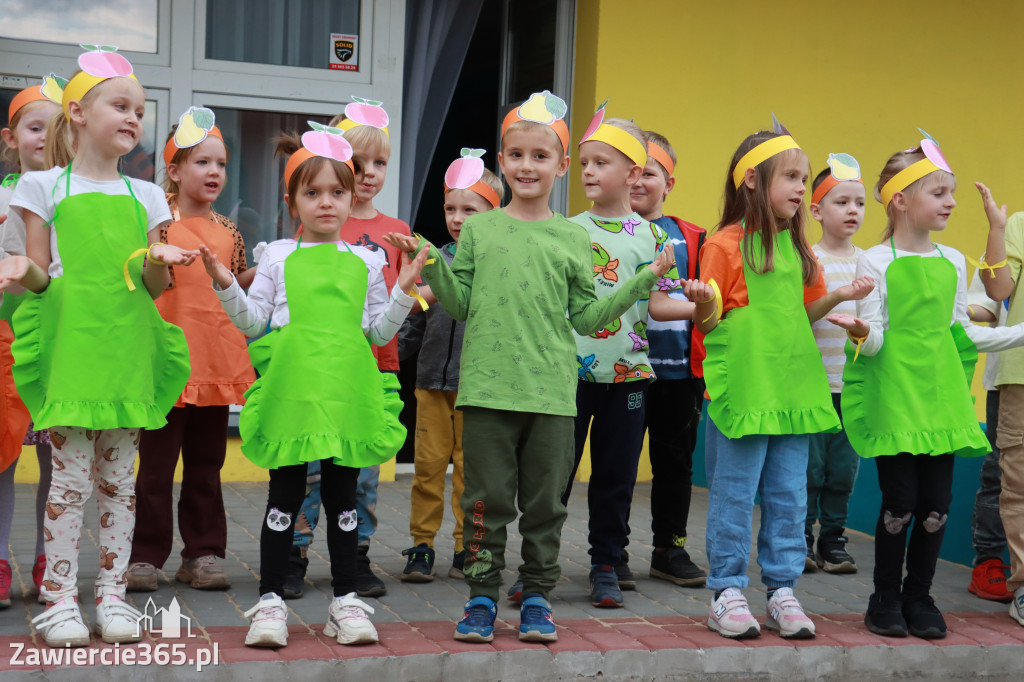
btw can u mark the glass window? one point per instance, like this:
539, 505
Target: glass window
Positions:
131, 25
253, 195
531, 44
280, 32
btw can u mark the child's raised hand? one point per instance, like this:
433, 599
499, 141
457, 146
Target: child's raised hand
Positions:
410, 272
405, 242
665, 261
857, 289
996, 214
168, 254
214, 268
697, 291
13, 270
856, 326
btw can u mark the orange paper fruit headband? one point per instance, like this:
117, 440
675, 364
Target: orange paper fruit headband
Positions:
365, 112
52, 90
933, 160
661, 156
98, 63
467, 172
194, 126
543, 108
844, 169
599, 131
764, 151
329, 143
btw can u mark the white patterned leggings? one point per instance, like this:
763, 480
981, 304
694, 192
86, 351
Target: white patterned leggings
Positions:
84, 459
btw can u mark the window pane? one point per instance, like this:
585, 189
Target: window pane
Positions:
531, 26
281, 32
253, 195
130, 25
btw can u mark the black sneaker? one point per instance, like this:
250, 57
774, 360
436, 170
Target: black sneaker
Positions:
627, 581
458, 563
885, 615
419, 567
923, 618
367, 584
604, 587
810, 563
832, 556
295, 574
674, 564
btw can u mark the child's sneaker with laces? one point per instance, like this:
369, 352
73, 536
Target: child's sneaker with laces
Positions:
885, 614
988, 581
347, 620
269, 625
141, 577
5, 584
477, 624
1017, 606
832, 556
730, 616
604, 587
117, 622
535, 622
419, 567
787, 617
61, 625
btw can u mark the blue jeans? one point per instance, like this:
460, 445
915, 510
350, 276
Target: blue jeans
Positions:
738, 469
366, 502
366, 505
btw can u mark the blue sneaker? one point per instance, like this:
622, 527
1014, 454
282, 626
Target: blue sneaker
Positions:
604, 587
535, 623
477, 624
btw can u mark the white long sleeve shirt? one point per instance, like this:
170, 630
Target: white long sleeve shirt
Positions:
267, 300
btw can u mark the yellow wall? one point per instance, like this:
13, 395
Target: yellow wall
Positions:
856, 77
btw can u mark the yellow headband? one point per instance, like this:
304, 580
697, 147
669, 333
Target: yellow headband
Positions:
905, 178
761, 153
621, 140
364, 112
98, 63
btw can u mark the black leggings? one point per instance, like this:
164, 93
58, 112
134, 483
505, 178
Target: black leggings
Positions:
338, 495
918, 487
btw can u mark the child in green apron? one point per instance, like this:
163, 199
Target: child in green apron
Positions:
94, 362
319, 396
906, 397
765, 379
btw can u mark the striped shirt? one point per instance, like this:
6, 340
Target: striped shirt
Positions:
838, 271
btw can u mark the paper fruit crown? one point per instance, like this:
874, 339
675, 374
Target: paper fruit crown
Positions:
329, 143
466, 172
599, 131
52, 90
98, 63
655, 152
844, 169
933, 160
764, 151
365, 112
194, 126
545, 109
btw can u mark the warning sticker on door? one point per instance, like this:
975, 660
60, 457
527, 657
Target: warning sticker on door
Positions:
344, 52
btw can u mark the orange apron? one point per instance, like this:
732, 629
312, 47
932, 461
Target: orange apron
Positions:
14, 418
221, 371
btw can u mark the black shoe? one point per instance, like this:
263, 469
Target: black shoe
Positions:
367, 584
419, 567
923, 618
885, 615
627, 581
295, 574
810, 563
674, 564
832, 556
458, 563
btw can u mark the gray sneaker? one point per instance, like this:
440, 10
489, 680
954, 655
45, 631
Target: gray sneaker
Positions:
141, 577
204, 573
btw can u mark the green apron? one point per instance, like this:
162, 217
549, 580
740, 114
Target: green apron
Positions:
88, 352
325, 395
914, 395
763, 370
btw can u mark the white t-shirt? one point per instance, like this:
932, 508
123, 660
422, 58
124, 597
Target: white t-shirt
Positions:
41, 191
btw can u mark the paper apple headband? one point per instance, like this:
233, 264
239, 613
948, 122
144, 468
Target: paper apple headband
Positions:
365, 112
661, 156
933, 161
844, 169
194, 126
466, 172
599, 131
543, 108
52, 90
98, 63
329, 143
764, 151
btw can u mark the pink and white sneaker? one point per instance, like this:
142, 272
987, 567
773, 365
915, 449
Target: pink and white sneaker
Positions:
787, 617
730, 616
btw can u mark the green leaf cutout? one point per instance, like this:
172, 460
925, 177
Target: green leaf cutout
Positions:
88, 48
203, 118
477, 153
316, 126
555, 106
108, 48
466, 151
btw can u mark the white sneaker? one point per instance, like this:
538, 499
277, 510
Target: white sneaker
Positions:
117, 621
61, 625
269, 625
1017, 605
730, 616
347, 619
787, 617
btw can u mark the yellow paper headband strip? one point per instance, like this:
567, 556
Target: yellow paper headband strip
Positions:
933, 160
844, 169
52, 90
599, 131
194, 126
320, 141
761, 153
466, 172
98, 63
544, 108
661, 156
365, 112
